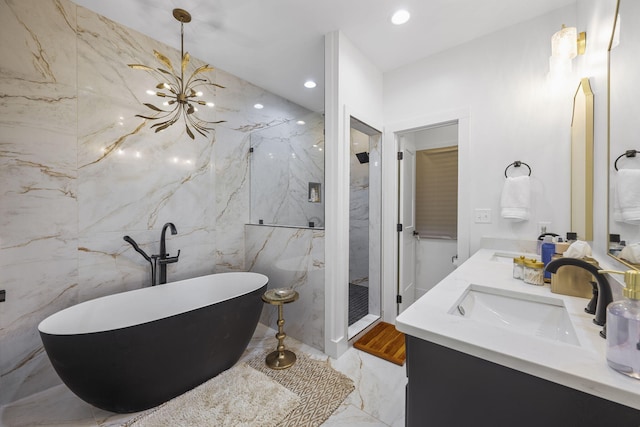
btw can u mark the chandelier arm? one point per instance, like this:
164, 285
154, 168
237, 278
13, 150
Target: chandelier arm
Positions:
164, 73
196, 72
206, 82
172, 113
193, 120
166, 124
202, 131
158, 116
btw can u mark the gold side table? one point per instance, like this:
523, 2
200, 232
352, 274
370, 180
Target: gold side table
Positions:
280, 358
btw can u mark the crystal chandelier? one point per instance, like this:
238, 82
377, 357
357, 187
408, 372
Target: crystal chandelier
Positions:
182, 94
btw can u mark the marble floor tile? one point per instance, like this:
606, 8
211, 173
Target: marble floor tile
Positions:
378, 399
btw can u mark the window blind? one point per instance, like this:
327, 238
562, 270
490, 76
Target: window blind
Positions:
437, 193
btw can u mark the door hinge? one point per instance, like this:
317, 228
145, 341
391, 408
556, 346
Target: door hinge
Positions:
400, 155
399, 227
399, 299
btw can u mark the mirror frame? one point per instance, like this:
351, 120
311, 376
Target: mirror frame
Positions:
582, 162
611, 41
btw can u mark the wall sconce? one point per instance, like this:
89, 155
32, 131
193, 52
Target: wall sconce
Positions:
566, 44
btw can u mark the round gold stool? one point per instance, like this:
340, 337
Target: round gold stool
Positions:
280, 358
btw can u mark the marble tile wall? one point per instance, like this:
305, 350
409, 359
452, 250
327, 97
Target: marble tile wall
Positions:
285, 159
79, 171
358, 210
291, 258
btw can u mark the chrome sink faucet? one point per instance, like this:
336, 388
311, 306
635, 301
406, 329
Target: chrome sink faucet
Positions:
164, 257
603, 287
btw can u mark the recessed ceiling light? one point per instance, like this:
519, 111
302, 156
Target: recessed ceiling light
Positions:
300, 122
258, 106
400, 17
310, 84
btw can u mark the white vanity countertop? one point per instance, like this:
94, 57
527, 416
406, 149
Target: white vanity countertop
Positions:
581, 367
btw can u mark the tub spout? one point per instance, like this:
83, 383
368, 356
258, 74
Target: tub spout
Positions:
604, 289
164, 257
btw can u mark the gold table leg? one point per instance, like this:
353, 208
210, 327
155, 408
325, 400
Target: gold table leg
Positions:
280, 358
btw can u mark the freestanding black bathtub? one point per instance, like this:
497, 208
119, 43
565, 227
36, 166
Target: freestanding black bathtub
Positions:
134, 350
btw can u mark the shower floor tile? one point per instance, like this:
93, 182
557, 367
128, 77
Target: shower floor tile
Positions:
358, 302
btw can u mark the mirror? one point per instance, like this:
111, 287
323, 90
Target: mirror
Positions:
582, 162
624, 127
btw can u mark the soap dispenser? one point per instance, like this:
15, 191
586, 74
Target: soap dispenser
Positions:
623, 327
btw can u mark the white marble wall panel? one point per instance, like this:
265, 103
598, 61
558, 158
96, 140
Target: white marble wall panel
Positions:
306, 166
235, 105
79, 171
131, 179
37, 184
269, 180
231, 198
285, 159
358, 211
291, 258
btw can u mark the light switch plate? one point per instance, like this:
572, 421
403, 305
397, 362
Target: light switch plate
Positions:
482, 216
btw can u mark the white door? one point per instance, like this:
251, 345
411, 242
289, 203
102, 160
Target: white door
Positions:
406, 223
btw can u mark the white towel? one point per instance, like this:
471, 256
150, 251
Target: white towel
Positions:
631, 253
578, 249
515, 198
627, 196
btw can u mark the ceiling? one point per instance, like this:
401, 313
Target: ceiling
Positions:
279, 44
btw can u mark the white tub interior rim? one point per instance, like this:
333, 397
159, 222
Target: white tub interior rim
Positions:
151, 303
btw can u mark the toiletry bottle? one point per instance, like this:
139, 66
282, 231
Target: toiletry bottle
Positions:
547, 251
623, 328
541, 238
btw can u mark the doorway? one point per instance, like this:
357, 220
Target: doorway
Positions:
427, 244
365, 214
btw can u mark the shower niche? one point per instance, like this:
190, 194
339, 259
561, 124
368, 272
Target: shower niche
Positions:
287, 173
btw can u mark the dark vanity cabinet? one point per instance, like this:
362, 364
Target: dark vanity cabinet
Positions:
448, 388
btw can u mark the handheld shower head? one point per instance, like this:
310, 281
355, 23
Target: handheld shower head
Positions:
136, 247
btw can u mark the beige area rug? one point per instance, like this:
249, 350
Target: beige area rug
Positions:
240, 396
321, 389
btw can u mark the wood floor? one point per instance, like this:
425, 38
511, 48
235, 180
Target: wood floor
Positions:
384, 341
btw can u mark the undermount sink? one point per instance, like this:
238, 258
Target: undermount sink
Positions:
535, 315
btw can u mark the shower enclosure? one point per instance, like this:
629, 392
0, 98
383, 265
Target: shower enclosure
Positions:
365, 210
287, 173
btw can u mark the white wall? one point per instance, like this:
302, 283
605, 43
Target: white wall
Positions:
353, 87
515, 114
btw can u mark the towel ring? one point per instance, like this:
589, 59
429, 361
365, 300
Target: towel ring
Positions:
628, 153
516, 164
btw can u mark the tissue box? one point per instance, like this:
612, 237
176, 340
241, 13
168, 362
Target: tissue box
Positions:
572, 280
